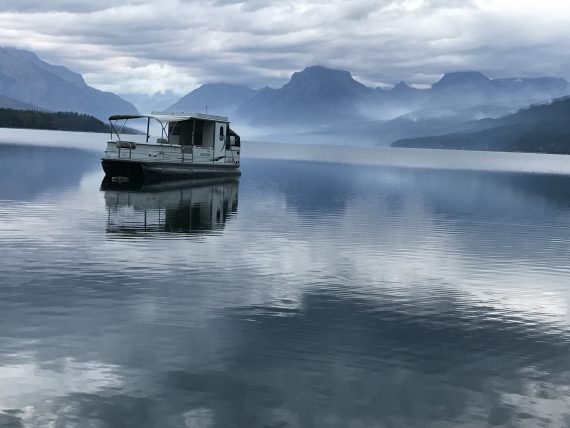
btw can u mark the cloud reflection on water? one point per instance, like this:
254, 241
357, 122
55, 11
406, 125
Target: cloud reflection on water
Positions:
337, 295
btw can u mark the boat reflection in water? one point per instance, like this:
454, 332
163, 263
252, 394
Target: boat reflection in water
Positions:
193, 206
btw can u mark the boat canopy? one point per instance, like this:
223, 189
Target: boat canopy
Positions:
170, 117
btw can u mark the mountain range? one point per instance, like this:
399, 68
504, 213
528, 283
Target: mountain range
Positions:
320, 105
34, 83
317, 104
540, 128
318, 96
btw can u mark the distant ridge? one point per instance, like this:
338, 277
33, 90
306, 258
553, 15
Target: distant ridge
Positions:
471, 87
461, 79
218, 98
25, 78
541, 128
316, 95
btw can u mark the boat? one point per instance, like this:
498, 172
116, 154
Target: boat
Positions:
191, 145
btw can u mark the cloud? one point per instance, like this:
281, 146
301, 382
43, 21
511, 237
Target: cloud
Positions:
73, 6
149, 45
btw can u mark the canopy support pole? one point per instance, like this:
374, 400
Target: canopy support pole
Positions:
147, 128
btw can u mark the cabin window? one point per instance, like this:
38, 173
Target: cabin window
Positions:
173, 128
174, 133
221, 133
198, 130
234, 138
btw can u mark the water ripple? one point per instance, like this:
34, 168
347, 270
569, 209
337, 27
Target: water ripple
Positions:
359, 296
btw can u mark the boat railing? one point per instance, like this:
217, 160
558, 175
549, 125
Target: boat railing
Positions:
122, 144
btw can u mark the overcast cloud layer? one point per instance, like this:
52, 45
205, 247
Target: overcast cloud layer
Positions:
153, 45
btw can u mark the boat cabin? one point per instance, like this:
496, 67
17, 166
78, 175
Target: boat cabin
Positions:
184, 137
200, 132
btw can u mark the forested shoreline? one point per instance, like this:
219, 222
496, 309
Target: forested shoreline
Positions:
542, 128
61, 121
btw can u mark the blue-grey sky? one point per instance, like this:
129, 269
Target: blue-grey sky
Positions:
145, 46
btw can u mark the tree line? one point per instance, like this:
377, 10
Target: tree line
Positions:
62, 120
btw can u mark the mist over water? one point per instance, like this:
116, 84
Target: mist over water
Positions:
381, 288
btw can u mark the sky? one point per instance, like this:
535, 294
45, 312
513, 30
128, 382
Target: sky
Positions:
148, 46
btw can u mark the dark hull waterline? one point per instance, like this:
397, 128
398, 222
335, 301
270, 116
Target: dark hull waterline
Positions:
136, 170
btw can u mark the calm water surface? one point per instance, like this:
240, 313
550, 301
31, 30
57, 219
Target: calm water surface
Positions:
305, 295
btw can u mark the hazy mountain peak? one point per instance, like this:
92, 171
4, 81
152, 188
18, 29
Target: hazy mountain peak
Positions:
318, 79
401, 87
459, 78
313, 96
321, 73
20, 53
215, 98
23, 56
30, 80
323, 82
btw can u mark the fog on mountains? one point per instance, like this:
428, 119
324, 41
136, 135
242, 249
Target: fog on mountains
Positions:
317, 105
321, 105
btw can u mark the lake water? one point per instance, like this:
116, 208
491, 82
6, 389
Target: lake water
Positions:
393, 288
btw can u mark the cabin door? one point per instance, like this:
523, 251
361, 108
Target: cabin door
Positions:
220, 140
